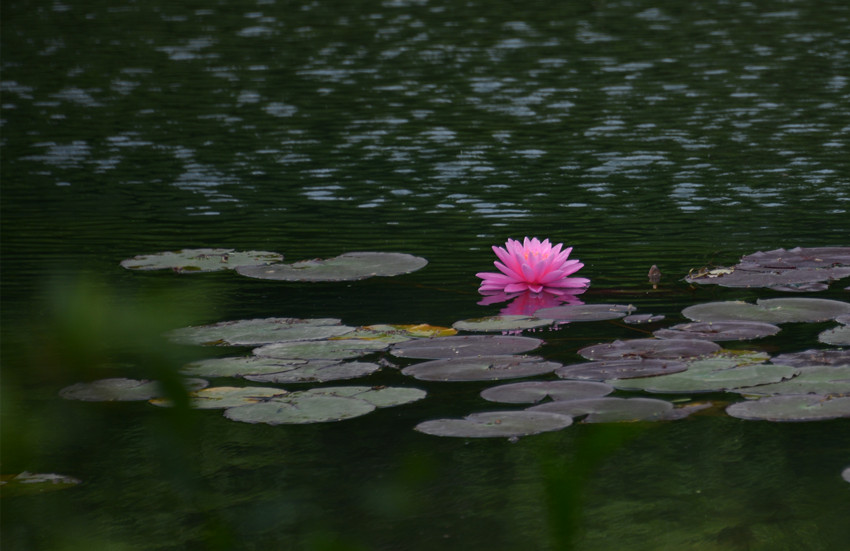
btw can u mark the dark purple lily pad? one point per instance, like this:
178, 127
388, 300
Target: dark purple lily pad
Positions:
620, 369
300, 410
813, 357
609, 410
345, 267
464, 346
839, 336
719, 330
741, 277
639, 319
480, 368
843, 319
200, 260
584, 312
776, 310
532, 392
825, 380
649, 349
801, 407
799, 257
496, 424
254, 332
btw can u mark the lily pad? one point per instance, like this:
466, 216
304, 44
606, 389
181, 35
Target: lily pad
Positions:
843, 319
620, 369
315, 371
719, 330
845, 474
300, 410
649, 349
840, 336
585, 312
504, 424
480, 368
392, 334
775, 310
814, 357
532, 392
465, 346
121, 390
502, 323
378, 396
609, 410
639, 319
345, 267
200, 260
826, 380
27, 483
222, 397
320, 350
801, 407
254, 332
240, 366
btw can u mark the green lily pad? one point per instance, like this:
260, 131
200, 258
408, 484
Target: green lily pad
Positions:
315, 371
465, 346
639, 319
826, 380
254, 332
649, 349
800, 407
719, 330
393, 334
345, 267
320, 350
620, 369
502, 323
300, 410
532, 392
240, 366
814, 357
775, 310
200, 260
121, 390
222, 397
585, 312
27, 483
609, 410
378, 396
480, 368
496, 424
840, 336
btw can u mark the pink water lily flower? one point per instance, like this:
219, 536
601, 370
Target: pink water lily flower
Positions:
532, 266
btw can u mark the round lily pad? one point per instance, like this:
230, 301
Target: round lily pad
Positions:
801, 407
378, 396
465, 346
320, 350
392, 334
120, 390
609, 410
620, 369
504, 424
27, 483
200, 260
300, 410
345, 267
221, 397
532, 392
240, 366
502, 323
315, 371
840, 336
826, 380
701, 378
814, 357
799, 257
480, 368
649, 349
639, 319
260, 331
775, 310
719, 330
585, 312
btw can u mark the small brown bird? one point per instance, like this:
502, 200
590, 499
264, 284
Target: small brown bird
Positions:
654, 276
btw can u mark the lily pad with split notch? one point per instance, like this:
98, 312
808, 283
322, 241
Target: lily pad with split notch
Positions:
320, 350
826, 380
585, 312
532, 392
465, 346
315, 371
502, 323
719, 330
801, 407
121, 390
496, 424
300, 410
345, 267
480, 368
200, 260
649, 349
620, 369
253, 332
839, 336
609, 410
708, 376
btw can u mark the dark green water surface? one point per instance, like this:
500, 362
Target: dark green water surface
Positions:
672, 133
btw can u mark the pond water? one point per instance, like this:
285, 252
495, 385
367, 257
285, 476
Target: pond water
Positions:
638, 132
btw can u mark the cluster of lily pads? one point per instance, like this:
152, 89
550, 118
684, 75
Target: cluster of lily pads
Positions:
795, 270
